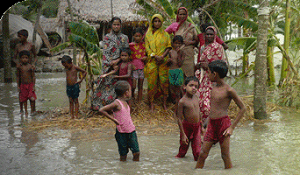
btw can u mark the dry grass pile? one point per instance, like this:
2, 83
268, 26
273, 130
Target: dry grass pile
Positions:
159, 122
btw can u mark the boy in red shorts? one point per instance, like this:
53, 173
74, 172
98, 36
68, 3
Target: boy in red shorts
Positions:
26, 82
219, 127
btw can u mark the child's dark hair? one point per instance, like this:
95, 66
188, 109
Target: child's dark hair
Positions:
66, 59
204, 26
220, 67
24, 52
178, 38
121, 87
189, 79
138, 30
23, 32
125, 49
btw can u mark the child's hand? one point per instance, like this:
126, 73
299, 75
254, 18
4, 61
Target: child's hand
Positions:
103, 76
184, 139
228, 132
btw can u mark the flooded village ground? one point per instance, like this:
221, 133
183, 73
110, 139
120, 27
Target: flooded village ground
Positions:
268, 147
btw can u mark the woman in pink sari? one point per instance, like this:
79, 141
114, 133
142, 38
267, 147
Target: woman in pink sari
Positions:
211, 51
187, 30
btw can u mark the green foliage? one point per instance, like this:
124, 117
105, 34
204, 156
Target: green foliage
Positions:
241, 21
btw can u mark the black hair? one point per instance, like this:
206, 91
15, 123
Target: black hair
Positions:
24, 52
66, 59
115, 18
204, 26
23, 32
219, 66
178, 38
121, 87
125, 49
189, 79
138, 30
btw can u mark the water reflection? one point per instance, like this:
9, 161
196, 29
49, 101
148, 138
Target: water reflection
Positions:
270, 147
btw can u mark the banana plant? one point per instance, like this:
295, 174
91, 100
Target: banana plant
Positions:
85, 37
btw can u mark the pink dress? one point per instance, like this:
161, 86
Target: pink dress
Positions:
124, 71
124, 119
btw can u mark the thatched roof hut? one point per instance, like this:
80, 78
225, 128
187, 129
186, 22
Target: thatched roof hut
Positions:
99, 12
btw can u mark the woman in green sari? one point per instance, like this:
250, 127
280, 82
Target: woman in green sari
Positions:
158, 45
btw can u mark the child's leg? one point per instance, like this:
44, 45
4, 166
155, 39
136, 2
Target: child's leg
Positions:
136, 156
32, 105
123, 158
25, 107
21, 107
71, 101
76, 104
205, 148
140, 89
226, 153
133, 86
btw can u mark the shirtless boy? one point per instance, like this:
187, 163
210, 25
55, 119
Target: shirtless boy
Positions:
189, 119
219, 128
176, 76
26, 82
25, 45
72, 83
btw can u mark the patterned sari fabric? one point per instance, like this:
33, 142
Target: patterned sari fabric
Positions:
105, 93
213, 51
157, 74
188, 32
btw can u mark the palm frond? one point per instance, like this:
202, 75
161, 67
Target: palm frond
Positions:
240, 21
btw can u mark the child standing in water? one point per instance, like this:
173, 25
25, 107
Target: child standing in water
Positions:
176, 76
138, 57
72, 83
125, 133
189, 121
219, 128
26, 82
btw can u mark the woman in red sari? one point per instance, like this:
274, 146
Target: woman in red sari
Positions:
211, 51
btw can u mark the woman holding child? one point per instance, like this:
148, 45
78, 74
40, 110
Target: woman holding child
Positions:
113, 42
158, 45
212, 51
187, 30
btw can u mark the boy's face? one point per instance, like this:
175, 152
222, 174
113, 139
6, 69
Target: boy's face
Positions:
67, 65
192, 87
24, 59
137, 37
124, 56
211, 75
176, 44
128, 93
22, 38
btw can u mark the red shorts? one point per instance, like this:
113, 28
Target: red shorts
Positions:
216, 128
26, 92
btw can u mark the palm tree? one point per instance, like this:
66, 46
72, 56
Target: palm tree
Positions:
260, 89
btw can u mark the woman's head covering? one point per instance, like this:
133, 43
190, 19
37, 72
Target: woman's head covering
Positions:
174, 27
215, 31
150, 29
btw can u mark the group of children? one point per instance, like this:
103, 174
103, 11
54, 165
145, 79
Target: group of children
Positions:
219, 126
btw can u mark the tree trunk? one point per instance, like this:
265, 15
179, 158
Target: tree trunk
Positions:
37, 21
6, 48
260, 74
72, 19
284, 64
271, 72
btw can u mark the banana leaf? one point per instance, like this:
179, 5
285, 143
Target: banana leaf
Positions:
84, 44
168, 8
61, 47
240, 21
85, 31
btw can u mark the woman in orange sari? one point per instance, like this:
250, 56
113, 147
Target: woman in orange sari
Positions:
158, 45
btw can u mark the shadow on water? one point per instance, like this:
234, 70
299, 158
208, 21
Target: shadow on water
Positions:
268, 147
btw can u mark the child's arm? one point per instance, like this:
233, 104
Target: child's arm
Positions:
128, 75
240, 104
18, 78
109, 108
34, 55
180, 116
109, 73
84, 74
180, 58
33, 76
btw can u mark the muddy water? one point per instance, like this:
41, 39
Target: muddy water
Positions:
272, 147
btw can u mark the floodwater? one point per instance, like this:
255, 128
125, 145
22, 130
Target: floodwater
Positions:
270, 147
